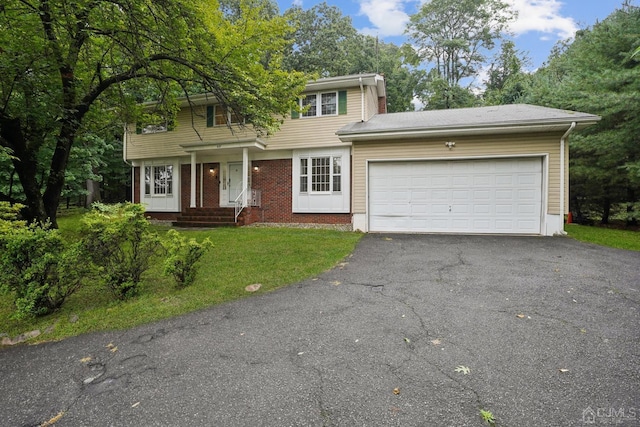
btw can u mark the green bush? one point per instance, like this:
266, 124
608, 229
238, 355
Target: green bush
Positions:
120, 243
38, 268
9, 217
182, 257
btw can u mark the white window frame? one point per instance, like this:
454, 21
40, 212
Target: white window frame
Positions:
230, 116
155, 128
308, 176
152, 185
312, 200
318, 104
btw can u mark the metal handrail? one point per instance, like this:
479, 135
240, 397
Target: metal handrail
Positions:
238, 205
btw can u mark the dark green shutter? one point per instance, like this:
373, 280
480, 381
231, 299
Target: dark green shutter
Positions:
342, 102
138, 128
171, 125
209, 116
295, 114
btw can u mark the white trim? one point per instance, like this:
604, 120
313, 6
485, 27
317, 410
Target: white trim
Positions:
322, 201
449, 132
161, 202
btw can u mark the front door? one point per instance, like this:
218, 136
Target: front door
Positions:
235, 181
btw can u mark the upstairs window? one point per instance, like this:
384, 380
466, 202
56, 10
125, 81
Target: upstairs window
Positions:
219, 115
322, 104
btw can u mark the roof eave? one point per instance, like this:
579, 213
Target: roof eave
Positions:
354, 136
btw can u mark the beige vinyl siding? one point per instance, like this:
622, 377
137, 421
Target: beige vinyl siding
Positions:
311, 132
371, 102
187, 128
468, 147
307, 132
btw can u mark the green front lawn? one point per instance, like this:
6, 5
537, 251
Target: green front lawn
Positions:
621, 239
273, 257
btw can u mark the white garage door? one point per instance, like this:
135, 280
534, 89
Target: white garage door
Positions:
465, 196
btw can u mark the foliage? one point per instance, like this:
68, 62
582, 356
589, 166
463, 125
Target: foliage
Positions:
454, 36
67, 65
274, 257
38, 269
120, 242
326, 44
507, 81
597, 73
183, 255
487, 416
9, 217
614, 238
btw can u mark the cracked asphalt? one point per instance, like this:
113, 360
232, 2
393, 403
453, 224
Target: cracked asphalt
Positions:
549, 329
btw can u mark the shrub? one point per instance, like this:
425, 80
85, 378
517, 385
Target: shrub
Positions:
9, 217
119, 241
182, 257
40, 270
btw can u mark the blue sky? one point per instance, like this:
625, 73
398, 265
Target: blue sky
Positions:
541, 23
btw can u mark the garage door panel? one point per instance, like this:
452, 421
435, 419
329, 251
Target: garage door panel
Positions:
479, 196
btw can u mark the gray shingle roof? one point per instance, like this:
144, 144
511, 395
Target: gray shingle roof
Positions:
501, 116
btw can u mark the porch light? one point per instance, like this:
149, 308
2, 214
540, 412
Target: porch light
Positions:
212, 170
256, 168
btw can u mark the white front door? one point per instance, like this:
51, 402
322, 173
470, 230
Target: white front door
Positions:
235, 181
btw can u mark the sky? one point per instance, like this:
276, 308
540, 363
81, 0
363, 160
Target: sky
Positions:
540, 23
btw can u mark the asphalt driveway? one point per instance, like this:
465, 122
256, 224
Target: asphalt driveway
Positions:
549, 329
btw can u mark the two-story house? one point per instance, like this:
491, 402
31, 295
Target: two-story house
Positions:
501, 169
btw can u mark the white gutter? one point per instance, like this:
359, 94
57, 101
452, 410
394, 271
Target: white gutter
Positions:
562, 172
382, 135
361, 100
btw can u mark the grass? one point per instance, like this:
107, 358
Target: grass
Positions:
273, 257
621, 239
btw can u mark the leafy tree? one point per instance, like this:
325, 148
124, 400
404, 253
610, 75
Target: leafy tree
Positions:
507, 82
455, 37
320, 42
598, 73
327, 44
62, 60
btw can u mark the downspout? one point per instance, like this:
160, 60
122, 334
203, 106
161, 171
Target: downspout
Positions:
124, 159
562, 172
361, 100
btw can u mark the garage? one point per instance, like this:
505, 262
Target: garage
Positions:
494, 196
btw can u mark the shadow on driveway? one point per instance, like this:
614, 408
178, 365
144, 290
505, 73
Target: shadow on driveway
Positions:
547, 327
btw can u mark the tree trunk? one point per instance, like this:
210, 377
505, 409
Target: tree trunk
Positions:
606, 210
26, 166
93, 192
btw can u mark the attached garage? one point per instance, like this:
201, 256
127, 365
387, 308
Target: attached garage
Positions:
456, 196
488, 170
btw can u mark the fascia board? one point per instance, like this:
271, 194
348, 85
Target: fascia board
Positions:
458, 131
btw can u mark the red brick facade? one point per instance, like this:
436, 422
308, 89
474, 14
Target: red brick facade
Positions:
210, 185
273, 178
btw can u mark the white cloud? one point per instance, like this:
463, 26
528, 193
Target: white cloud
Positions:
297, 3
387, 16
390, 17
542, 16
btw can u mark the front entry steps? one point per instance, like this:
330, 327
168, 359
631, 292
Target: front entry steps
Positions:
209, 217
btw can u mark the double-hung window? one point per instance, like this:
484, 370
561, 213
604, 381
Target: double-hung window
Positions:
320, 104
219, 115
323, 173
158, 180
